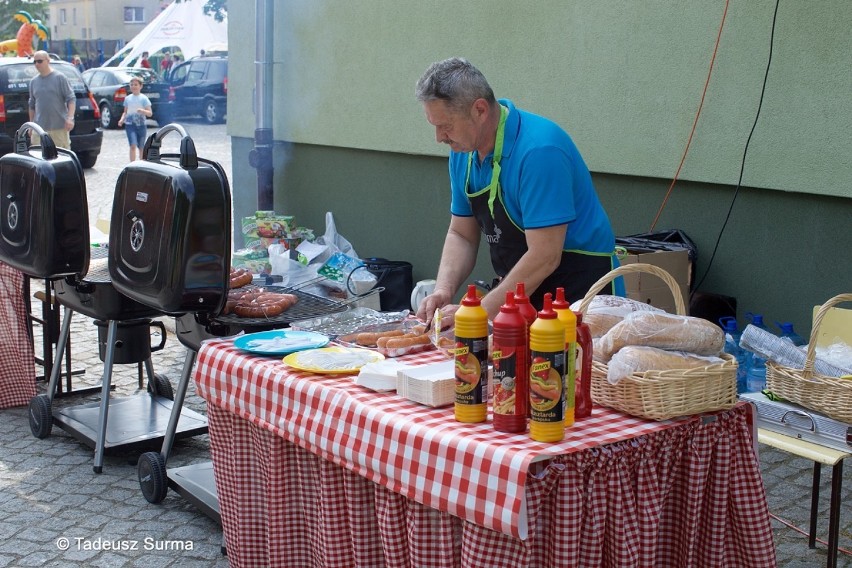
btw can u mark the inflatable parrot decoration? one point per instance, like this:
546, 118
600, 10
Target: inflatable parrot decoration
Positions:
24, 41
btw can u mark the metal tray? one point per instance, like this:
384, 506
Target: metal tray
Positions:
798, 422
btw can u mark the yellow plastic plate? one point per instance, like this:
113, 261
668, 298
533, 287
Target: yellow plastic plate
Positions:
332, 360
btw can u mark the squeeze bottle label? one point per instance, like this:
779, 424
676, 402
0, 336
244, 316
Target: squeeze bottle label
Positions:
547, 367
471, 359
510, 361
583, 401
569, 320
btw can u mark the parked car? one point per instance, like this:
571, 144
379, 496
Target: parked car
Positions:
199, 87
110, 85
15, 76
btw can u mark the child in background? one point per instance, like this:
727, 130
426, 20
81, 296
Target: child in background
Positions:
137, 108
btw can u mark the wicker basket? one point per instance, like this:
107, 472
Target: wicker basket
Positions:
660, 395
827, 395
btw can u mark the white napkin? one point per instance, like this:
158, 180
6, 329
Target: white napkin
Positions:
379, 376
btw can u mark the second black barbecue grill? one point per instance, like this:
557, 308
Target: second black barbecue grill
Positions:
44, 232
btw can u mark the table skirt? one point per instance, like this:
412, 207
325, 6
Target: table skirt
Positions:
690, 495
17, 366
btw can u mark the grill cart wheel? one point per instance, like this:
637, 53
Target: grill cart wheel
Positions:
151, 470
41, 417
161, 387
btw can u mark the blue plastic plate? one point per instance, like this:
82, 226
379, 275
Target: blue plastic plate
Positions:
280, 341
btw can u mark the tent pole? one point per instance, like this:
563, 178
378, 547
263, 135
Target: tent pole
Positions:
261, 156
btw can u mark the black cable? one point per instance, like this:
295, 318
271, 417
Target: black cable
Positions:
745, 151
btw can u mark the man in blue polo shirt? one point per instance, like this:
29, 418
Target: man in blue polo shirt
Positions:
518, 179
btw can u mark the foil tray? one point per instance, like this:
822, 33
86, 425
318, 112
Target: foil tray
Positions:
347, 322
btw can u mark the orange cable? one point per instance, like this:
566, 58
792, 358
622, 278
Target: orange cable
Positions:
695, 122
800, 531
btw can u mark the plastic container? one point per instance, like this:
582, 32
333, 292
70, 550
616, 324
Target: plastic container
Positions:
569, 320
787, 332
756, 365
547, 367
583, 376
471, 359
732, 347
510, 359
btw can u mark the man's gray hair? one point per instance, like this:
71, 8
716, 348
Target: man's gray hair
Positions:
455, 81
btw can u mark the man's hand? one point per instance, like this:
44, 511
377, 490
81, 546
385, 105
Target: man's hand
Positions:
69, 124
435, 300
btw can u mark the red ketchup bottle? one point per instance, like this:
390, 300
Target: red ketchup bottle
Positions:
583, 398
510, 358
526, 309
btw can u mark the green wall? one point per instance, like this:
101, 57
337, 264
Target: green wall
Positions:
624, 78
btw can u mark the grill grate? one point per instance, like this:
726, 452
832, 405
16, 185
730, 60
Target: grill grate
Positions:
98, 271
308, 306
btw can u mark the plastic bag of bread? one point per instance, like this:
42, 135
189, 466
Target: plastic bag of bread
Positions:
638, 359
664, 331
605, 311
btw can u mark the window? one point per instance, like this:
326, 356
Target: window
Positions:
63, 16
74, 16
84, 33
134, 15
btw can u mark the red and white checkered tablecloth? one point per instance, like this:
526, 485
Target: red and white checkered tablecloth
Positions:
490, 479
17, 367
468, 470
689, 495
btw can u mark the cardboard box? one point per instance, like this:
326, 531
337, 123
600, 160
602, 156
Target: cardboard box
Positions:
648, 288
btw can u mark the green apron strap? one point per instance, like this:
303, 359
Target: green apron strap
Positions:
495, 161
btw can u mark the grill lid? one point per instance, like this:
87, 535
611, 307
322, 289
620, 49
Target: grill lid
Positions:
44, 219
169, 242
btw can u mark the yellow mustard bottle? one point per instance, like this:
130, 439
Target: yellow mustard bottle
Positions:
471, 357
569, 320
547, 368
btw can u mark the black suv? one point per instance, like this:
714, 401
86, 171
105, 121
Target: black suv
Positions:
199, 87
15, 76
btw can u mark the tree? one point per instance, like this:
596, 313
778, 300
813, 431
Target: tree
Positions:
216, 8
9, 25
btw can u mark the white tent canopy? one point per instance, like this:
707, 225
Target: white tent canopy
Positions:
181, 24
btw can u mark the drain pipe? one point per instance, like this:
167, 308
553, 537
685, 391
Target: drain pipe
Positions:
260, 157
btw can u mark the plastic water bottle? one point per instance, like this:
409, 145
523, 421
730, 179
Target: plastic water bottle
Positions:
756, 371
732, 347
787, 332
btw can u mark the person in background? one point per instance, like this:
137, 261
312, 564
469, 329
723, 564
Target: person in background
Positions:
137, 109
518, 179
78, 63
52, 102
143, 62
166, 65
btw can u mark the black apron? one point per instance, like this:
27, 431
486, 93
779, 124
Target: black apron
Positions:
507, 243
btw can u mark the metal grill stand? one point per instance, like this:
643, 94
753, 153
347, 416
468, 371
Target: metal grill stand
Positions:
139, 419
195, 482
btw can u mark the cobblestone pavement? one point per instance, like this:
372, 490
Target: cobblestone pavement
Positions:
49, 491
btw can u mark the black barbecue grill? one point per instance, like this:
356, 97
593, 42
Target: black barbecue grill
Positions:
170, 249
195, 320
45, 234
